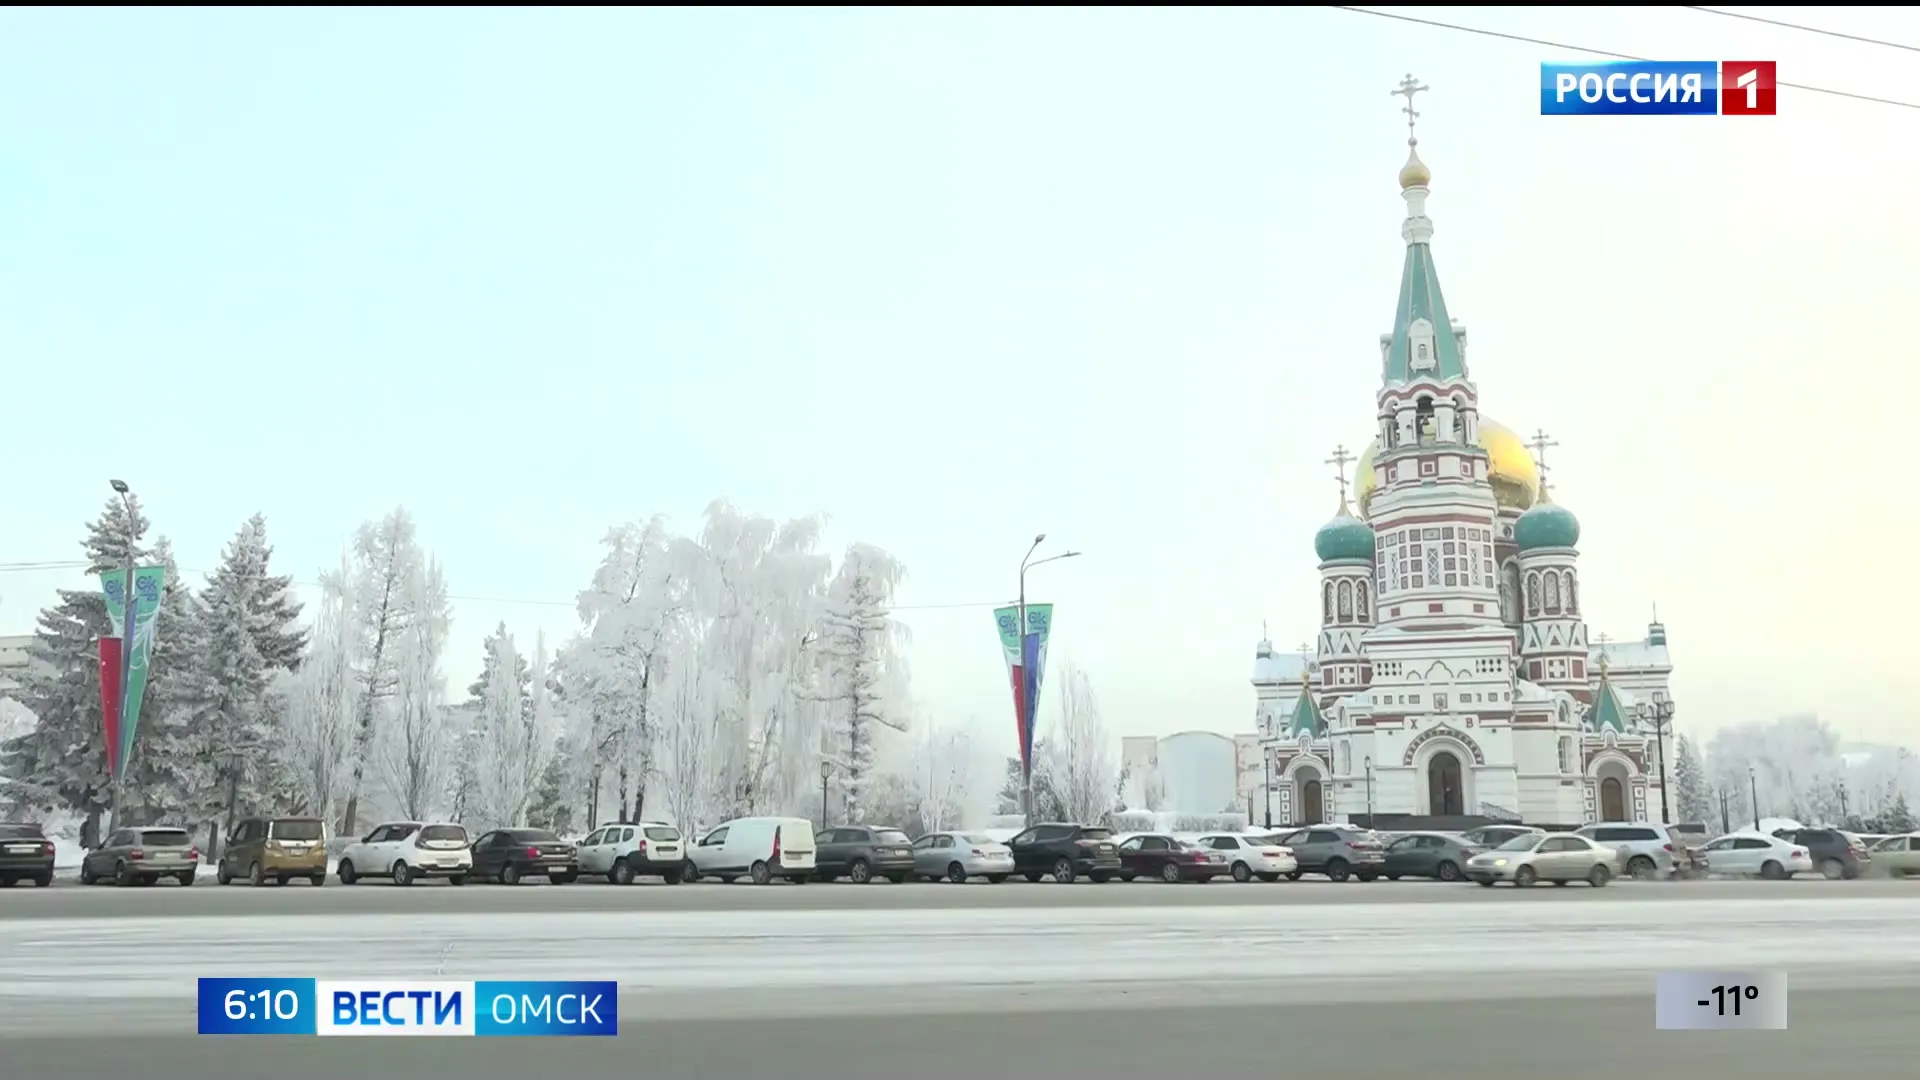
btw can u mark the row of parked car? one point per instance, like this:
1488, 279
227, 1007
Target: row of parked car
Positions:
281, 850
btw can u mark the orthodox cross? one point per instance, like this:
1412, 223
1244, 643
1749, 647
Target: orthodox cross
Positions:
1263, 630
1541, 443
1339, 461
1409, 86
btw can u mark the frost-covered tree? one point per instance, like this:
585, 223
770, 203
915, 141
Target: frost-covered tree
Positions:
316, 709
503, 734
861, 665
1081, 753
628, 615
386, 556
946, 769
61, 763
1795, 765
1692, 800
415, 749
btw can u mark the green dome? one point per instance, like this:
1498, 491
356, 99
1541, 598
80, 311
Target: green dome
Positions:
1547, 525
1345, 537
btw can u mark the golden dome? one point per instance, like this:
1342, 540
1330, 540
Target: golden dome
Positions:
1415, 172
1516, 479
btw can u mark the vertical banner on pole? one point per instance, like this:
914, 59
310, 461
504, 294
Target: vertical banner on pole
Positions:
110, 670
1026, 656
147, 583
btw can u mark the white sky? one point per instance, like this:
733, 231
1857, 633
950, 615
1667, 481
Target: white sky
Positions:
957, 278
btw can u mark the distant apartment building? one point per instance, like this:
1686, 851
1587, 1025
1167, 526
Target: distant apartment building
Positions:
13, 660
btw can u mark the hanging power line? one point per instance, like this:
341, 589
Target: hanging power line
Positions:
1523, 39
1803, 29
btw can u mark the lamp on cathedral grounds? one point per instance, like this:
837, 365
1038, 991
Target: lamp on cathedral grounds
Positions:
1753, 792
826, 773
1659, 715
1368, 766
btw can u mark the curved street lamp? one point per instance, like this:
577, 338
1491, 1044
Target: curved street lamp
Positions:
129, 620
1659, 715
1029, 708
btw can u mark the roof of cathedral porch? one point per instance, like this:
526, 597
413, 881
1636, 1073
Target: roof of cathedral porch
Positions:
1307, 716
1610, 708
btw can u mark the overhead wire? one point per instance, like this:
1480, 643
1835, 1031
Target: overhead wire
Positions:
1545, 43
1723, 13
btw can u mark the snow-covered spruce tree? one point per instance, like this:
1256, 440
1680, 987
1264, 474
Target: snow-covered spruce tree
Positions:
863, 669
386, 556
61, 762
170, 777
1692, 800
415, 748
626, 615
501, 793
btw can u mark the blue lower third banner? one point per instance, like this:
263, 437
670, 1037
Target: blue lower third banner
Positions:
391, 1007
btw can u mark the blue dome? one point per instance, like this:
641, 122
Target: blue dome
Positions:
1547, 525
1345, 537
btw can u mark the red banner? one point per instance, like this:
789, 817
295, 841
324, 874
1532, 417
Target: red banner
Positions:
110, 673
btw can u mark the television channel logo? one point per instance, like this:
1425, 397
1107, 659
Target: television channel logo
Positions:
1659, 88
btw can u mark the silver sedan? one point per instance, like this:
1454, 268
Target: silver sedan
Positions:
957, 856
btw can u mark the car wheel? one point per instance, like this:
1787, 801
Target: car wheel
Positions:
1599, 876
1447, 871
1242, 872
184, 879
1337, 870
1293, 875
995, 879
1169, 873
1773, 871
759, 873
256, 877
1063, 872
1035, 878
317, 879
1366, 876
510, 874
689, 872
956, 873
1393, 877
456, 879
1525, 877
402, 873
859, 872
622, 873
673, 877
348, 875
87, 876
1124, 876
1641, 867
122, 874
1832, 870
221, 875
1269, 877
898, 879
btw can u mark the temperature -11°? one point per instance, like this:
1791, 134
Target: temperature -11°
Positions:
1721, 1001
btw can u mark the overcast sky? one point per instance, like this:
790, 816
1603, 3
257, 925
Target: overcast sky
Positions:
957, 277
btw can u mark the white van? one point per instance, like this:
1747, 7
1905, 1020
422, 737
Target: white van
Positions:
757, 848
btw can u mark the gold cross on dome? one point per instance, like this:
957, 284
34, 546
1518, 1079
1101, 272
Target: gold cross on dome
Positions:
1341, 456
1410, 86
1540, 444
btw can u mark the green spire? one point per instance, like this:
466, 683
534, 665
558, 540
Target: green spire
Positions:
1608, 710
1420, 299
1306, 715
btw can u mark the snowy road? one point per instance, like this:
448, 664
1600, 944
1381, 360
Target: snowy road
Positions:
1354, 989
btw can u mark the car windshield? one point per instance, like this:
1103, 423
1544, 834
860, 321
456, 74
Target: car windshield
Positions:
1523, 842
1096, 834
662, 832
891, 836
533, 836
977, 838
20, 832
297, 829
444, 832
164, 837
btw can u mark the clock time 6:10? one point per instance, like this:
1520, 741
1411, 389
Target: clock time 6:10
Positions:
269, 1005
1730, 995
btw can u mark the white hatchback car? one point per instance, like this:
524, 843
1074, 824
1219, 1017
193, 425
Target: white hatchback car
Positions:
407, 851
625, 851
1250, 857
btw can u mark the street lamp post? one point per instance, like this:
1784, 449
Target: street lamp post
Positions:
1029, 709
1368, 766
1267, 788
1753, 792
1660, 715
826, 772
129, 620
1843, 804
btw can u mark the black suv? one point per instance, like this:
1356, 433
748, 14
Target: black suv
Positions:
1066, 851
1835, 854
862, 853
25, 854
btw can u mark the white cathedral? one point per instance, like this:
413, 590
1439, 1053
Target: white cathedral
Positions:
1453, 675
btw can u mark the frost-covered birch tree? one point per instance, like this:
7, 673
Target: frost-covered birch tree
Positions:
415, 749
1081, 756
861, 667
316, 708
386, 557
628, 614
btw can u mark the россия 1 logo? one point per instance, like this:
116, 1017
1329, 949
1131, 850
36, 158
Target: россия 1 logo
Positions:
1658, 88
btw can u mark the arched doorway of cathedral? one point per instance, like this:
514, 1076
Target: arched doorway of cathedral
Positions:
1313, 798
1445, 795
1613, 799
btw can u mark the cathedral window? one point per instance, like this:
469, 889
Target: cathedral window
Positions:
1440, 702
1326, 603
1573, 595
1423, 419
1510, 594
1393, 574
1360, 602
1346, 601
1553, 593
1533, 595
1566, 754
1433, 564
